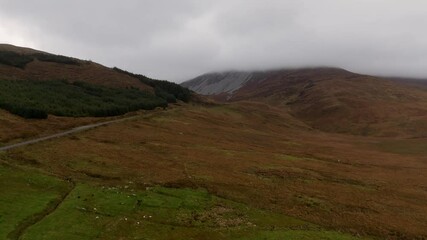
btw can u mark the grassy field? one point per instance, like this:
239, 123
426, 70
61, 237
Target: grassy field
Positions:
37, 206
23, 195
121, 212
228, 172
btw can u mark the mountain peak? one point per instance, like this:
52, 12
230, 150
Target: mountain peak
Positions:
228, 82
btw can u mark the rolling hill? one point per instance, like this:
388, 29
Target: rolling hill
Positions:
38, 66
34, 84
329, 99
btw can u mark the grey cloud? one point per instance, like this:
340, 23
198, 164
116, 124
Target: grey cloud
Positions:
177, 40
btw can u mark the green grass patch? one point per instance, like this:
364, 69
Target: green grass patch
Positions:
24, 194
122, 212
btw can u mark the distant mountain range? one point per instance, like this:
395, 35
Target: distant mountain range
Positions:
330, 99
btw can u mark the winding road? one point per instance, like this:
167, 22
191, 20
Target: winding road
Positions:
65, 133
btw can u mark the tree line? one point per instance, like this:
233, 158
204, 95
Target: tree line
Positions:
37, 99
167, 90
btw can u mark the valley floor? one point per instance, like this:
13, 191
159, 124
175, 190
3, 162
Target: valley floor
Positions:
214, 172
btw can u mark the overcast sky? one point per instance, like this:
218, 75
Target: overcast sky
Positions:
180, 39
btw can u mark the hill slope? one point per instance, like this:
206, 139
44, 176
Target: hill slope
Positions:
45, 66
34, 84
329, 99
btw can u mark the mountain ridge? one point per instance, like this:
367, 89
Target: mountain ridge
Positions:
329, 99
231, 81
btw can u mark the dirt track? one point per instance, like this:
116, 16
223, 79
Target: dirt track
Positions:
65, 133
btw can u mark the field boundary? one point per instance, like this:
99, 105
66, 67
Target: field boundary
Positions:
38, 217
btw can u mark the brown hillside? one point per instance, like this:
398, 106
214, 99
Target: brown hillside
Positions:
336, 100
255, 154
16, 129
86, 71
